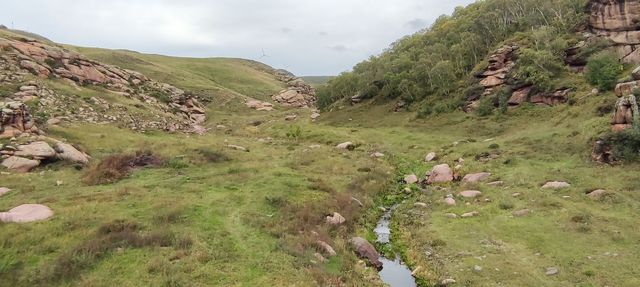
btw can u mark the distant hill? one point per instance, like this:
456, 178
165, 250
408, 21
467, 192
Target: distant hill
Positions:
317, 80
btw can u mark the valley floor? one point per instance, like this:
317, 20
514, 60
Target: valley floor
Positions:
253, 220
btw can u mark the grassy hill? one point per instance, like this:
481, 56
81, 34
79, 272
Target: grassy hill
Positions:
216, 78
212, 215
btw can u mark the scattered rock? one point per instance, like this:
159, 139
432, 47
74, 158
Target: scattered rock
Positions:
415, 271
411, 179
516, 194
522, 212
477, 268
315, 116
496, 183
377, 155
470, 214
26, 213
365, 250
450, 201
20, 164
291, 118
448, 281
597, 194
431, 157
320, 257
417, 204
346, 145
335, 219
237, 147
440, 173
556, 185
4, 190
259, 105
551, 271
476, 177
451, 215
470, 193
326, 248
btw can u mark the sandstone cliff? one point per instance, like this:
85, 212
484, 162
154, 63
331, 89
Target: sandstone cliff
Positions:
618, 20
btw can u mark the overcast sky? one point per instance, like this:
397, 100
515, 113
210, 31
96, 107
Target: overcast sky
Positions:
312, 37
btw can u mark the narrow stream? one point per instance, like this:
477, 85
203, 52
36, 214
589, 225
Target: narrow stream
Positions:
394, 272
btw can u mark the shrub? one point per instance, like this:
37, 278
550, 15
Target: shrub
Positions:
294, 132
486, 106
214, 156
603, 70
118, 166
537, 68
625, 145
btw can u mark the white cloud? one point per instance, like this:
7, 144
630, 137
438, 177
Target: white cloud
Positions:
313, 37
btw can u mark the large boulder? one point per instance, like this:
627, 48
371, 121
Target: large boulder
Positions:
440, 173
26, 213
36, 150
365, 250
69, 153
20, 164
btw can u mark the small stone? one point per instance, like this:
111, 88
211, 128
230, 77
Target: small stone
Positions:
477, 268
431, 157
58, 182
450, 201
4, 190
496, 183
470, 214
411, 179
551, 271
346, 145
326, 248
597, 194
516, 194
415, 271
522, 212
451, 215
238, 148
448, 281
335, 219
476, 177
470, 193
291, 118
377, 155
420, 204
320, 257
556, 185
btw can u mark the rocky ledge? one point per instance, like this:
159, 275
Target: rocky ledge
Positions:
497, 76
177, 110
618, 21
298, 93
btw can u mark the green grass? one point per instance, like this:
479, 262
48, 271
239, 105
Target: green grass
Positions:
215, 78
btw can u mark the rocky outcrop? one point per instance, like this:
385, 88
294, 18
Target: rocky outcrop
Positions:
617, 20
297, 94
625, 113
27, 156
173, 109
15, 119
496, 77
601, 152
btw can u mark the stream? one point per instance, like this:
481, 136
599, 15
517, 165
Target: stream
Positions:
394, 272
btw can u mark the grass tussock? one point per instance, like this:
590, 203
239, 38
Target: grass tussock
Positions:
118, 166
110, 237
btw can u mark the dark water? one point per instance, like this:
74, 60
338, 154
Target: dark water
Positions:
394, 272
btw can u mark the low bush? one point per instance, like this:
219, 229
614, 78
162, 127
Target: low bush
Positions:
118, 166
603, 70
625, 145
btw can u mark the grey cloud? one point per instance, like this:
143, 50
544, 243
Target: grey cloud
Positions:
285, 29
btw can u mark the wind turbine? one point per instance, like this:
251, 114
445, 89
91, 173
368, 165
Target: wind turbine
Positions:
264, 55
